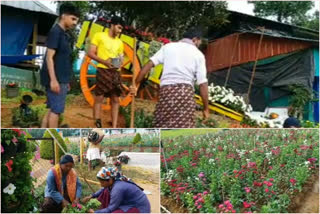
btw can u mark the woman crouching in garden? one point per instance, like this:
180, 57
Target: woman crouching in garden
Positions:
63, 186
119, 195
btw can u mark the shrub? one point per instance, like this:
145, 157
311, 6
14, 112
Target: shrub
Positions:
33, 146
15, 172
137, 139
46, 148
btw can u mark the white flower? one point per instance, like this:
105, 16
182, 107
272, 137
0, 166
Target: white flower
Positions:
211, 161
9, 189
306, 163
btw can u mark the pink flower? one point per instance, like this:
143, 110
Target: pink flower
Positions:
199, 207
14, 140
311, 160
233, 211
23, 132
193, 164
74, 205
246, 204
201, 175
79, 206
205, 193
226, 202
266, 190
271, 179
247, 189
2, 149
293, 181
195, 197
221, 206
252, 164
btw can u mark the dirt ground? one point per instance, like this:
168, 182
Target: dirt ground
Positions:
78, 113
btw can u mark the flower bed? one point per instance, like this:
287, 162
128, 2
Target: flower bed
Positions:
239, 170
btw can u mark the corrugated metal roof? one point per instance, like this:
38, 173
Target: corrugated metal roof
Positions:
35, 6
219, 52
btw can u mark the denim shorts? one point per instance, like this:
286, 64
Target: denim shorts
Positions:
56, 102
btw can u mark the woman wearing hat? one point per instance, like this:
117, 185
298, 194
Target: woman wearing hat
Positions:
119, 194
95, 151
63, 186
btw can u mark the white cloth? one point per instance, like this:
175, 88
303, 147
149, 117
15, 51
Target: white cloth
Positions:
94, 153
182, 62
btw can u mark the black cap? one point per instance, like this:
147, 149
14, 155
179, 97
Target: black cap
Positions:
70, 9
291, 122
116, 20
66, 159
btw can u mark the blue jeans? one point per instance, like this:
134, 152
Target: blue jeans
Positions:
56, 102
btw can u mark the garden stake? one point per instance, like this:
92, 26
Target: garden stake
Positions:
255, 65
133, 81
231, 60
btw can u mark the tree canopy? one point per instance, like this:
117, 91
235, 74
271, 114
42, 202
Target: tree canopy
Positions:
290, 12
166, 18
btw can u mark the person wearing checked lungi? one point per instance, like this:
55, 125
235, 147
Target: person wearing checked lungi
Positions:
107, 49
183, 65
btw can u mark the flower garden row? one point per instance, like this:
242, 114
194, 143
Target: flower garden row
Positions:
239, 170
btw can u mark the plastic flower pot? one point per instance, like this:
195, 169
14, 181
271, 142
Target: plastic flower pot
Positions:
12, 92
27, 99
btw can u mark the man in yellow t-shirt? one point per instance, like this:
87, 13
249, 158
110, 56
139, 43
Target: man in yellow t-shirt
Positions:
107, 49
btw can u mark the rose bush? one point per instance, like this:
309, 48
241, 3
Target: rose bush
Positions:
239, 170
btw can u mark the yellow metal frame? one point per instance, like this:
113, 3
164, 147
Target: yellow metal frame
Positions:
221, 109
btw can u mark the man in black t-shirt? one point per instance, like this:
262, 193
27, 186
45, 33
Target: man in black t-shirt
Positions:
57, 67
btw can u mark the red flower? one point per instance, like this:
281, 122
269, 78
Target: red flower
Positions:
246, 204
271, 179
293, 181
18, 131
266, 190
257, 184
9, 164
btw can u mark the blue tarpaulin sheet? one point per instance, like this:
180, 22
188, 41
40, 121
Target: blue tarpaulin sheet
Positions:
16, 30
11, 60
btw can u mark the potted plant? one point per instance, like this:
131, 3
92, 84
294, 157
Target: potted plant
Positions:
12, 90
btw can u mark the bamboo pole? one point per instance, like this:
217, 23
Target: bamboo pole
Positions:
255, 65
133, 81
231, 60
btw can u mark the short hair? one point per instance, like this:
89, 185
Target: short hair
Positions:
70, 9
192, 33
116, 20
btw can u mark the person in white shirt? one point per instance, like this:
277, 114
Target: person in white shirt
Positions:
95, 151
183, 66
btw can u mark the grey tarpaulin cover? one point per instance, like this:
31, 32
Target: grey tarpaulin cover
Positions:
297, 68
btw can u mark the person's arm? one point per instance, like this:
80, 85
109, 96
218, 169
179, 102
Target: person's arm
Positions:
202, 81
117, 195
204, 96
93, 50
92, 53
79, 190
52, 188
146, 68
93, 195
52, 45
155, 60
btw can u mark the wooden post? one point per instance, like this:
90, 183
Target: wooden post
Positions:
34, 40
81, 150
56, 152
133, 81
